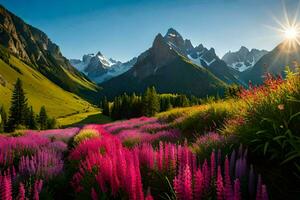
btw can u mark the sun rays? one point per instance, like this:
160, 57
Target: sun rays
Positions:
288, 28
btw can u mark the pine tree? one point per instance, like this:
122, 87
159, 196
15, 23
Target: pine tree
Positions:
168, 105
3, 119
151, 103
31, 119
105, 107
18, 109
51, 123
43, 118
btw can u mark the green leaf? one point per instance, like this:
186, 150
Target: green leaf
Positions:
290, 158
278, 137
266, 147
293, 116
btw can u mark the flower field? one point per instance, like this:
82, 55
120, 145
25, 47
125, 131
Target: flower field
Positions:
223, 150
104, 166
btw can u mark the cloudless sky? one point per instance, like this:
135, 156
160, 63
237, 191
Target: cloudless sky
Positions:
122, 29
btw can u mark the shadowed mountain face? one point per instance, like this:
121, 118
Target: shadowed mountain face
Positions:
243, 59
167, 66
36, 49
274, 62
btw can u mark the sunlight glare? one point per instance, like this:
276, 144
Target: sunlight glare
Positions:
291, 33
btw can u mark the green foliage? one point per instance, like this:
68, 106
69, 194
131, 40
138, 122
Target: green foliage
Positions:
18, 109
105, 107
150, 102
3, 119
198, 120
43, 118
272, 123
209, 119
23, 117
85, 135
17, 133
233, 91
31, 120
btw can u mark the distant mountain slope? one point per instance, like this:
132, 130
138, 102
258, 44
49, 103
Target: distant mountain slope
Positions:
36, 49
168, 70
99, 69
274, 62
39, 90
243, 59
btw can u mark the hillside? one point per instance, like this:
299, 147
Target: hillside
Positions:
35, 48
39, 90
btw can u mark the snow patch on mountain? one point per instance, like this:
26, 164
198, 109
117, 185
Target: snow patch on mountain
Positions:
99, 68
243, 59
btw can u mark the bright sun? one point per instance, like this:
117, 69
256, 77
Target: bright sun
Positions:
291, 33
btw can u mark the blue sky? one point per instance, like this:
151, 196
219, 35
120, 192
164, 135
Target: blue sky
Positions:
123, 29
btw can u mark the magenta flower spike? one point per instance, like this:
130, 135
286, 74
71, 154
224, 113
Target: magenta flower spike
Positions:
187, 184
6, 192
206, 174
264, 193
219, 185
228, 186
94, 195
212, 163
199, 184
149, 196
237, 188
21, 195
259, 188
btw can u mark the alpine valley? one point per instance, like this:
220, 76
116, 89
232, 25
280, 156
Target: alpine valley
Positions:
172, 64
175, 122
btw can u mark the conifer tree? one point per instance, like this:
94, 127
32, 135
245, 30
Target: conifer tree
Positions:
18, 109
105, 107
43, 118
3, 119
51, 123
151, 104
31, 119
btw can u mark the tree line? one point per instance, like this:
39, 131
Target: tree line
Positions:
21, 115
148, 104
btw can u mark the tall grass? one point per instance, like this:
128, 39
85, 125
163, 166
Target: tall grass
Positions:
272, 122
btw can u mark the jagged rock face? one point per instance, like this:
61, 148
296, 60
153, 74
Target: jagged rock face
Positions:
27, 42
151, 60
243, 59
166, 49
176, 41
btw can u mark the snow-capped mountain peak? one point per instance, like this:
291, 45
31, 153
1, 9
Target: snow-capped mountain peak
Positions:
100, 68
243, 59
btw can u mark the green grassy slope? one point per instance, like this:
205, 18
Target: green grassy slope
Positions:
92, 117
39, 90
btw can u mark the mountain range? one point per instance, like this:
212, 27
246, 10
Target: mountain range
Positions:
286, 54
172, 64
243, 59
99, 69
